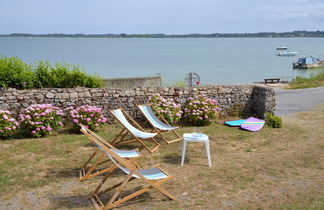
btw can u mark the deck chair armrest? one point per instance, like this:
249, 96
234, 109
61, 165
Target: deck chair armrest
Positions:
164, 172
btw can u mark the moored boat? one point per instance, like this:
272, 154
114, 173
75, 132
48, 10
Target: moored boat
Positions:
282, 48
287, 53
308, 63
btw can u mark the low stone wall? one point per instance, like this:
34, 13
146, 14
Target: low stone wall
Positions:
250, 99
130, 83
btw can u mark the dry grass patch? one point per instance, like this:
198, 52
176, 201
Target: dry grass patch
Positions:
272, 169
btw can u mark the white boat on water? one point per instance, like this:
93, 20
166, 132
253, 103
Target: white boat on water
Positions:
287, 53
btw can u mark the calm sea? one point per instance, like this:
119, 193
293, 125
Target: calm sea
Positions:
217, 61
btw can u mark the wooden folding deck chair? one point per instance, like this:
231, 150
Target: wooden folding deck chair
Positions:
98, 156
137, 134
159, 124
153, 177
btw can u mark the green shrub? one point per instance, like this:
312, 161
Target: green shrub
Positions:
273, 121
14, 73
43, 75
64, 76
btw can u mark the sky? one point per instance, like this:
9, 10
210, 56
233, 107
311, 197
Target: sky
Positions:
159, 16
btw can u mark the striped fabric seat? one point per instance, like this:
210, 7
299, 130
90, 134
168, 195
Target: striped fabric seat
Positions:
132, 132
159, 124
152, 179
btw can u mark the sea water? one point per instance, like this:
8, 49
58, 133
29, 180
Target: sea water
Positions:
218, 61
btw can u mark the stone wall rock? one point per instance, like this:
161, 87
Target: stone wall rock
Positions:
250, 99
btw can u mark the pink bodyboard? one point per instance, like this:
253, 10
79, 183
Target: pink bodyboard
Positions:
252, 124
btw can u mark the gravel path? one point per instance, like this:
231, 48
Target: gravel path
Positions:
298, 100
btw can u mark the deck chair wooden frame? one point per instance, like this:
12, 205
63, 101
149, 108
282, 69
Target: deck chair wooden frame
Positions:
164, 125
136, 132
132, 172
98, 156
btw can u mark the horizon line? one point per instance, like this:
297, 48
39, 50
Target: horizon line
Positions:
165, 34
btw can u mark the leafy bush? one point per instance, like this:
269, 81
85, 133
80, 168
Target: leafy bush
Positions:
17, 74
167, 107
14, 73
63, 76
273, 121
200, 111
41, 119
8, 124
90, 116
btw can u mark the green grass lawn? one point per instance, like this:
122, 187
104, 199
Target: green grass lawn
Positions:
272, 169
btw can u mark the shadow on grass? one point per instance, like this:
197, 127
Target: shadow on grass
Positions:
21, 134
69, 172
63, 173
82, 201
122, 147
69, 201
172, 159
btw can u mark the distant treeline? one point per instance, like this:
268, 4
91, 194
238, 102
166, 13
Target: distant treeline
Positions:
213, 35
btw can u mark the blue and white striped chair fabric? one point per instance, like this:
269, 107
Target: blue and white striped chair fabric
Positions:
138, 133
155, 121
151, 174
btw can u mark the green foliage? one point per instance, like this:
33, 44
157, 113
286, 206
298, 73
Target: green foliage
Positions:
273, 121
302, 82
17, 74
63, 76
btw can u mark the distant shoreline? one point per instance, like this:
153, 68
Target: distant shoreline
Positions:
293, 34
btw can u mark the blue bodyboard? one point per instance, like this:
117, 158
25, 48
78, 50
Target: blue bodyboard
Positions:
234, 123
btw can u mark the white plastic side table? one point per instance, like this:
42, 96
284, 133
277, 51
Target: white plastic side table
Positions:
194, 137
